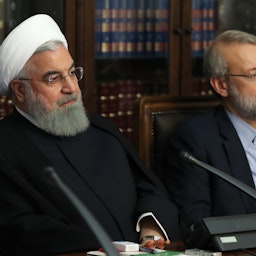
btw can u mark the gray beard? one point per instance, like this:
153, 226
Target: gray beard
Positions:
65, 122
246, 107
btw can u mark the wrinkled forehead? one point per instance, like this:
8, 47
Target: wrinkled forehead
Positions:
240, 56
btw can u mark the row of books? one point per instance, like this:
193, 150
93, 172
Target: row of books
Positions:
204, 24
130, 28
116, 100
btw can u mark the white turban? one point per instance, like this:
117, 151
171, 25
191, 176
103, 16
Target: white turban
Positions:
22, 42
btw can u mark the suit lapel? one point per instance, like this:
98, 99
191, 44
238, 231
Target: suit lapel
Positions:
236, 155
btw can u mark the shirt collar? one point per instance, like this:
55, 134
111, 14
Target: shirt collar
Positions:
245, 131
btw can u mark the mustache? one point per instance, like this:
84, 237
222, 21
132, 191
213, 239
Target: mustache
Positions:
67, 98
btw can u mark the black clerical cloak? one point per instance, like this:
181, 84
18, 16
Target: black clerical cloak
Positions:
99, 166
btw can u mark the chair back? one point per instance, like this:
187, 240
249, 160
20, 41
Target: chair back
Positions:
155, 118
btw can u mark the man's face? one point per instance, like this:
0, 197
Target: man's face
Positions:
55, 107
51, 63
241, 59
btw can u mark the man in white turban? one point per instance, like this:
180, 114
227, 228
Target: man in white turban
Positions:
22, 42
49, 127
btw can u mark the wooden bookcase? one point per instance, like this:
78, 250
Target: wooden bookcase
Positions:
80, 31
80, 20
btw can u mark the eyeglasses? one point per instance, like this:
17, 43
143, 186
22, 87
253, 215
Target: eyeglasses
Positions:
250, 77
56, 78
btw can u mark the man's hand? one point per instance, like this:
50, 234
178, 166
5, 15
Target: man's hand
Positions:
154, 242
151, 235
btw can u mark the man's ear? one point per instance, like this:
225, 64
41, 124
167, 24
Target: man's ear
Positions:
18, 89
219, 84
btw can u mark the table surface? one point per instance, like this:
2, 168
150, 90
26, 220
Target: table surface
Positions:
179, 246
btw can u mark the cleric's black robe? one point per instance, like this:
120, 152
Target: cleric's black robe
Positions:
99, 166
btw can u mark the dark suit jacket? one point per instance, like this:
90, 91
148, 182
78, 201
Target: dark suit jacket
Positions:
211, 138
37, 219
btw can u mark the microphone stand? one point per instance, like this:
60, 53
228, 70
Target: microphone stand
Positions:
208, 232
96, 228
230, 179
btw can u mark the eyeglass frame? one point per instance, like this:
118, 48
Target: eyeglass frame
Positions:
59, 77
249, 76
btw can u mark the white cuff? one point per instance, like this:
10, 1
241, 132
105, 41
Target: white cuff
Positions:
158, 223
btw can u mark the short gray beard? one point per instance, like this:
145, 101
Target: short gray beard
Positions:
65, 122
246, 106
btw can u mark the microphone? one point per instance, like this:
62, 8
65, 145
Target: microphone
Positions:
52, 177
211, 232
230, 179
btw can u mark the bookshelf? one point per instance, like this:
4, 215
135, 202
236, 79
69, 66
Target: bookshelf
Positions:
132, 48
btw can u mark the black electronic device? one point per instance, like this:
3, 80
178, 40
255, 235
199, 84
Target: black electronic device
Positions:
224, 233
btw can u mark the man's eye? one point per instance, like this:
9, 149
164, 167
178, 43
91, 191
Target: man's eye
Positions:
72, 72
53, 78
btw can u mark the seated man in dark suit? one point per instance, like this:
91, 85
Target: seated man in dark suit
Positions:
49, 127
223, 138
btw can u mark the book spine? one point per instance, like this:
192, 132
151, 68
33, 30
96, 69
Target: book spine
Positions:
140, 36
161, 28
197, 28
212, 20
103, 28
205, 27
115, 27
116, 101
6, 107
98, 27
122, 33
2, 107
204, 21
102, 98
131, 28
150, 27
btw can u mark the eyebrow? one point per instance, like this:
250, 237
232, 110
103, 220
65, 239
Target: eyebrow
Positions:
53, 72
252, 69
